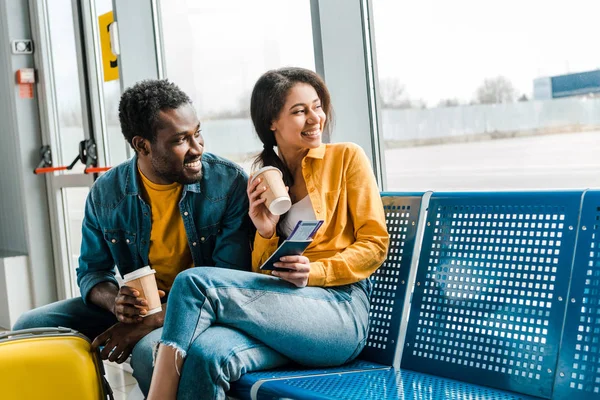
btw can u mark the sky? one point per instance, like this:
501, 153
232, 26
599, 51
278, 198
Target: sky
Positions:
438, 49
445, 49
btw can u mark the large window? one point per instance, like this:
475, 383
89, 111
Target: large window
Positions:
489, 94
68, 99
215, 51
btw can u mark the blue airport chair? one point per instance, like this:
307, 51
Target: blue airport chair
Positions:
487, 307
578, 372
389, 384
388, 302
491, 288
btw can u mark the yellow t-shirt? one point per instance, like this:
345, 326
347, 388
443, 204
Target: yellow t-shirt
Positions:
169, 253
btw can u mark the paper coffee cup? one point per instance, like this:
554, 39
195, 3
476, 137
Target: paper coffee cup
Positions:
144, 281
278, 200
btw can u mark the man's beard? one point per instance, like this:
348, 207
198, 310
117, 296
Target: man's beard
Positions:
161, 166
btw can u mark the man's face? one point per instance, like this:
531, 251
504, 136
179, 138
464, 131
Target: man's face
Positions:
175, 155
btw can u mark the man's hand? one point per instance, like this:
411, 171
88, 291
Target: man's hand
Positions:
129, 307
120, 339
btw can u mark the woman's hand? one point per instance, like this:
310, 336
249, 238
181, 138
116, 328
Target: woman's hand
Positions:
299, 267
264, 221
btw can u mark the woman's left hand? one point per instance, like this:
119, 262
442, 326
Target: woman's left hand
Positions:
299, 267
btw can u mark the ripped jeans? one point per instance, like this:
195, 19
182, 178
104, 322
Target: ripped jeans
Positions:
312, 326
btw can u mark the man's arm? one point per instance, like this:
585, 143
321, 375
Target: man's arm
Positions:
232, 247
96, 265
104, 295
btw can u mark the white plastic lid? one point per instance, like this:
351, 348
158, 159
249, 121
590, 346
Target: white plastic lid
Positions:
263, 169
280, 205
138, 273
153, 311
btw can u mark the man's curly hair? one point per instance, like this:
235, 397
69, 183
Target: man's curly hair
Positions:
141, 103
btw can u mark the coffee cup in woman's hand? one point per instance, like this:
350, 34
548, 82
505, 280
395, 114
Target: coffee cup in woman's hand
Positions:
276, 195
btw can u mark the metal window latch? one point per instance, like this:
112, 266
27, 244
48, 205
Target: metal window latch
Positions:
87, 155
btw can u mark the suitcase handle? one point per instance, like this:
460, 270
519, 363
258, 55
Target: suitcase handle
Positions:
35, 331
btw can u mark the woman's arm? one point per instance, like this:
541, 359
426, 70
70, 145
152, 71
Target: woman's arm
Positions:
265, 239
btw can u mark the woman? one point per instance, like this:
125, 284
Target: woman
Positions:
317, 312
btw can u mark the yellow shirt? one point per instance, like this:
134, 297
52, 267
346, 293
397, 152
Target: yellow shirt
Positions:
169, 253
353, 240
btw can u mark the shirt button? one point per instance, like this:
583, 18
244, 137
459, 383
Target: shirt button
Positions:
114, 241
318, 210
185, 213
202, 239
127, 241
312, 189
193, 244
143, 242
308, 175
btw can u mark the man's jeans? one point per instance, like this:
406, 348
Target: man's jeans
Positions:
217, 357
312, 326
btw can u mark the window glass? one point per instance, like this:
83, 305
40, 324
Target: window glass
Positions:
489, 95
73, 207
215, 51
66, 77
111, 92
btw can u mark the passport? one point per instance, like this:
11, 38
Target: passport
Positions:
301, 236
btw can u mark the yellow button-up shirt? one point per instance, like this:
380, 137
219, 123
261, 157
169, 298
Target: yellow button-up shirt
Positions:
353, 240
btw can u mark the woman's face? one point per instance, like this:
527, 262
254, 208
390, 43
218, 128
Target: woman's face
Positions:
301, 120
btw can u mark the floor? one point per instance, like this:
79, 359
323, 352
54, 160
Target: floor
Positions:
121, 381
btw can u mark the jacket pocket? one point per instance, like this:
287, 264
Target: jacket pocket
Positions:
122, 245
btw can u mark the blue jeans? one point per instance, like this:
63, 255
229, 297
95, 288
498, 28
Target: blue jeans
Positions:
219, 356
312, 326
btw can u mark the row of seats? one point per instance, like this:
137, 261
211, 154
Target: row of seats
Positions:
484, 295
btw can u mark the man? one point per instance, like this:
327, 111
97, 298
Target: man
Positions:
171, 207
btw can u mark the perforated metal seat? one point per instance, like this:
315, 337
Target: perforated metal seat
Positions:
388, 301
489, 298
578, 372
389, 384
497, 273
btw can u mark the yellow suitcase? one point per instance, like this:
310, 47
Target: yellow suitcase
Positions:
50, 363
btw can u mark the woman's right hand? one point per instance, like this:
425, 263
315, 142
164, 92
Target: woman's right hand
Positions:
264, 221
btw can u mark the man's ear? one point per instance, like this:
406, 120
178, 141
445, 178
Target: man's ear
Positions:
141, 145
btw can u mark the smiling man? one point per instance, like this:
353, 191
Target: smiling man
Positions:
171, 207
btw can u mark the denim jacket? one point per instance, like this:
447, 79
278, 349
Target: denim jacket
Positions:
117, 222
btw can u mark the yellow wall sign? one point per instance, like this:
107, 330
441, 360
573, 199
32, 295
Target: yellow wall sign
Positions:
109, 60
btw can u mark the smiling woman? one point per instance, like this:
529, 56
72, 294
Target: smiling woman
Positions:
273, 314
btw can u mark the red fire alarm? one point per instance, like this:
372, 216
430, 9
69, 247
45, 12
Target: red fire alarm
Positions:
26, 79
26, 75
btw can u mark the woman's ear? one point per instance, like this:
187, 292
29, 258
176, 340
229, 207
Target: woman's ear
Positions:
141, 145
273, 126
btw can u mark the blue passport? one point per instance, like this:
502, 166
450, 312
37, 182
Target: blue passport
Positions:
295, 244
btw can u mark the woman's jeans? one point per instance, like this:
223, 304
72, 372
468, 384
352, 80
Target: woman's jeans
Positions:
312, 326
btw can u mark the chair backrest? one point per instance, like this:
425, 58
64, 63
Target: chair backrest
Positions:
390, 281
491, 287
578, 372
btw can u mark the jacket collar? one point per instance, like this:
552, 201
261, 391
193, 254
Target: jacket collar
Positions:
132, 185
317, 153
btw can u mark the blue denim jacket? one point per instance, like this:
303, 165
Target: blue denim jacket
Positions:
117, 222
